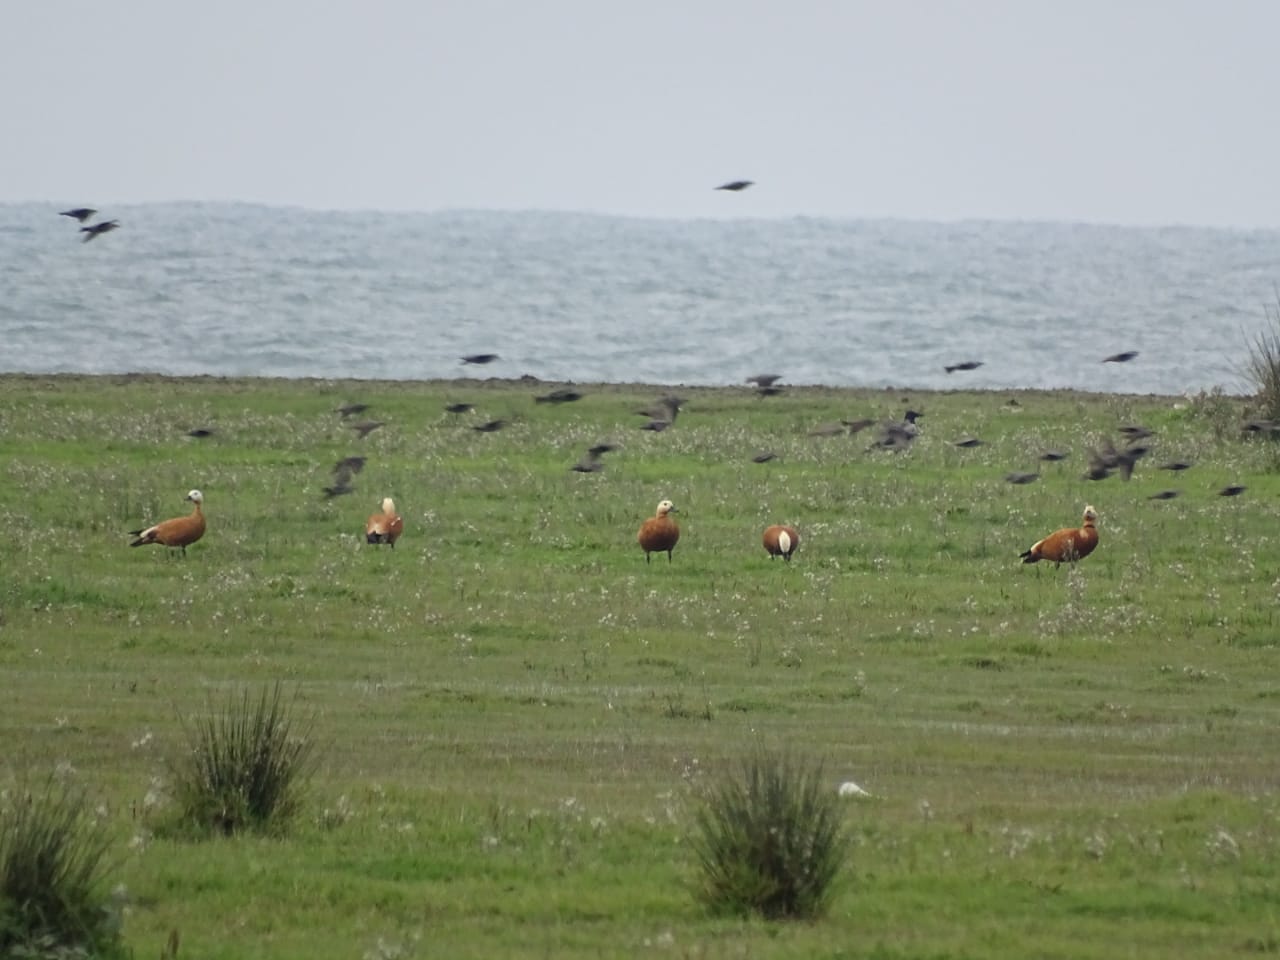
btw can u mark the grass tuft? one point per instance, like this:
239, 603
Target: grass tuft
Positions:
770, 840
52, 864
1263, 365
245, 769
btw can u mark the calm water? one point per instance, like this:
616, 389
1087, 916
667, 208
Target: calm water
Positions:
245, 290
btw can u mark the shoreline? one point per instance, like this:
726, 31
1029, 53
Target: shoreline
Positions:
489, 383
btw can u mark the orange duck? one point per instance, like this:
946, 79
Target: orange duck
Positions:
1067, 545
781, 541
178, 533
385, 527
659, 532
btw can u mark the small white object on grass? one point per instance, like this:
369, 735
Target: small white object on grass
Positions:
851, 789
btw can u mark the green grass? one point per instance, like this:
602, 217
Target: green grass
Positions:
515, 716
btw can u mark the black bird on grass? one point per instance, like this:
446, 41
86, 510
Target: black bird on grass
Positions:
764, 456
492, 426
106, 226
966, 365
1019, 478
735, 186
563, 395
1123, 357
460, 408
366, 427
1053, 456
351, 409
200, 432
1232, 491
1176, 465
480, 358
1163, 495
79, 213
968, 443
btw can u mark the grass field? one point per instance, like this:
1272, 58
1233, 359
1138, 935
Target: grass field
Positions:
516, 714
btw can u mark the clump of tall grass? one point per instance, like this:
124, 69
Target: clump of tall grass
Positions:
246, 767
770, 839
52, 868
1262, 367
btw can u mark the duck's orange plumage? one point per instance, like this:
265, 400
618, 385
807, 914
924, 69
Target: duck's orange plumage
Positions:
659, 532
1067, 545
179, 533
385, 527
781, 541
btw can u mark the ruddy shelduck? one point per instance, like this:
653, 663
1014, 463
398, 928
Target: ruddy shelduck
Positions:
178, 533
781, 541
659, 532
1067, 545
385, 527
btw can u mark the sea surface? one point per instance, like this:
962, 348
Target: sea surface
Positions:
245, 290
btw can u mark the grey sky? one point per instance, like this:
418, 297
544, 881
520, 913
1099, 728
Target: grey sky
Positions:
1123, 112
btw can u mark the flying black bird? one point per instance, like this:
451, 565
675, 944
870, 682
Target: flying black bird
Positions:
1107, 458
765, 379
769, 391
1232, 491
348, 466
969, 442
1136, 431
79, 213
1176, 465
898, 436
563, 395
657, 426
351, 409
493, 426
366, 427
591, 463
735, 185
764, 456
1124, 357
106, 226
1053, 456
667, 408
966, 365
460, 408
343, 471
200, 432
480, 358
1017, 477
1163, 495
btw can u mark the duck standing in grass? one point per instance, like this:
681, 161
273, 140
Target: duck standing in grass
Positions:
659, 532
781, 541
385, 527
1067, 545
178, 533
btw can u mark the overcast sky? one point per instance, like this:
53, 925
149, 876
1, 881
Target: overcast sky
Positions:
1140, 112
